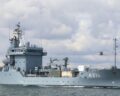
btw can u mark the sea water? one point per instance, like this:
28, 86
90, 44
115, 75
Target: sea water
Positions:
56, 91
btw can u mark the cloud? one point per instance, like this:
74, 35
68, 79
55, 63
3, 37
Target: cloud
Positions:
75, 28
61, 30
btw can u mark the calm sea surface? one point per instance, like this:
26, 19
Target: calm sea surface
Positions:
56, 91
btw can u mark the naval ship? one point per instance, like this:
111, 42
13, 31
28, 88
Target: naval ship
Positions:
23, 66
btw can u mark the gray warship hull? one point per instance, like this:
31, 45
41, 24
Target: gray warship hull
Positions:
93, 78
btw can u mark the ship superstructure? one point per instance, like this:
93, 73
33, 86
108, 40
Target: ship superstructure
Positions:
23, 66
23, 57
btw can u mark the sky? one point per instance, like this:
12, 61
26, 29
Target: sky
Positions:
78, 29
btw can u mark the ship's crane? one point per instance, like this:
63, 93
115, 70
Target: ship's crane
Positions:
65, 62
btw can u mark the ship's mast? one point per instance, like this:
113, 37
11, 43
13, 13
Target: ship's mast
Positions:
17, 35
18, 32
115, 52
